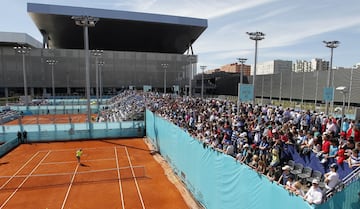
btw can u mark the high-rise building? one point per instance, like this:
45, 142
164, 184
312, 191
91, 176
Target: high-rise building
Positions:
272, 67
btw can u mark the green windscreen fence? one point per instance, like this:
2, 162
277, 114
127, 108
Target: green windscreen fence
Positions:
215, 179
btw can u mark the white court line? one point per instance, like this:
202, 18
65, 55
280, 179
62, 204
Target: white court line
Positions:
19, 170
119, 176
22, 183
66, 162
133, 173
84, 149
71, 183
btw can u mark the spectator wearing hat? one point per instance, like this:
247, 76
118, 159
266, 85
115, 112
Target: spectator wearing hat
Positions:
314, 195
285, 175
332, 177
244, 154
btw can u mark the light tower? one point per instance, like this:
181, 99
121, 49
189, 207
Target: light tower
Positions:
52, 63
86, 22
256, 36
242, 61
331, 45
23, 50
202, 80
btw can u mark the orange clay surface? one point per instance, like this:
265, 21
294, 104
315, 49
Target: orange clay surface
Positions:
49, 119
30, 177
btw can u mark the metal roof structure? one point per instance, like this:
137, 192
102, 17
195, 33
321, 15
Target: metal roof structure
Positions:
13, 39
116, 30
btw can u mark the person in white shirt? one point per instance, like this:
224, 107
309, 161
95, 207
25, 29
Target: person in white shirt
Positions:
314, 195
332, 177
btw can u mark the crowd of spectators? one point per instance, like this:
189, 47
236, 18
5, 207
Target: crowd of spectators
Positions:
7, 115
259, 135
125, 106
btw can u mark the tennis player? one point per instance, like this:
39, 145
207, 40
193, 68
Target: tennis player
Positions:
79, 152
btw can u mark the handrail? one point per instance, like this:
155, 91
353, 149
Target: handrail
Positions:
351, 177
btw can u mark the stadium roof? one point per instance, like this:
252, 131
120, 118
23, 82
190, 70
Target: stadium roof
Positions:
116, 30
13, 39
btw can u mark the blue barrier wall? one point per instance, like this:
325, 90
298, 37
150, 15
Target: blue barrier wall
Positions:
68, 132
7, 146
216, 180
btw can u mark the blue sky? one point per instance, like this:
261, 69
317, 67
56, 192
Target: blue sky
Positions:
294, 29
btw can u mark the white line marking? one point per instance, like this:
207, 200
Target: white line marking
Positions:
119, 176
19, 170
133, 173
65, 162
71, 183
22, 183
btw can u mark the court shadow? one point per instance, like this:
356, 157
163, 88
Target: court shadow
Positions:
4, 163
84, 165
128, 146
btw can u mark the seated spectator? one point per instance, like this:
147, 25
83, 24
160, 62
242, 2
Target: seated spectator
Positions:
353, 132
285, 175
325, 147
289, 183
274, 173
314, 195
332, 177
245, 154
354, 159
254, 162
261, 168
334, 148
275, 157
298, 188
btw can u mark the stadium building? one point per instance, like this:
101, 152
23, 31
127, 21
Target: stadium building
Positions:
126, 49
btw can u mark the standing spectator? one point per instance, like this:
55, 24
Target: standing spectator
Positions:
19, 137
314, 195
24, 136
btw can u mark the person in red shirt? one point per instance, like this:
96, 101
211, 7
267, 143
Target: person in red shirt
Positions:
353, 132
325, 147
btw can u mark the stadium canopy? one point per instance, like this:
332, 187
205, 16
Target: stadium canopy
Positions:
116, 30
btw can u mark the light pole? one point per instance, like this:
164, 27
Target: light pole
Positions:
343, 90
202, 80
86, 22
23, 50
331, 45
165, 66
97, 53
52, 63
241, 61
100, 63
191, 59
256, 36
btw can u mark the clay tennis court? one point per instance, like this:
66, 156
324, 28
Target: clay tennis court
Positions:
113, 174
50, 119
